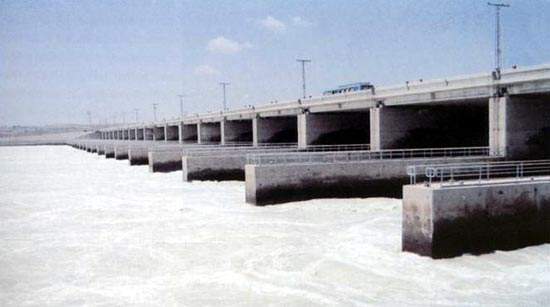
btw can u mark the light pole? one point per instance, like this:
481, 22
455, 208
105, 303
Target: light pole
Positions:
181, 96
224, 84
136, 113
498, 51
155, 111
304, 61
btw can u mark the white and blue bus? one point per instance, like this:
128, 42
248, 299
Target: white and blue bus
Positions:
360, 86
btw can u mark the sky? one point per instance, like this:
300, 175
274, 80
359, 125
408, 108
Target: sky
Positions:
60, 59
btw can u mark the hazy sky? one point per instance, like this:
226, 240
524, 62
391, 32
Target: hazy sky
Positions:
61, 58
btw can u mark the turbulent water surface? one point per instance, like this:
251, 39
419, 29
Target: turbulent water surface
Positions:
77, 229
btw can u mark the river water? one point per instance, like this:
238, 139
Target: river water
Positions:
77, 229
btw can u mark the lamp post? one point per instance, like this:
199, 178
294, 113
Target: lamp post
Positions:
224, 84
304, 61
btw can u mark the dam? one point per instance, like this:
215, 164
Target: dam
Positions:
363, 144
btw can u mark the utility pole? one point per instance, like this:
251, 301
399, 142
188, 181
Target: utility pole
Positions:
224, 84
181, 96
498, 51
136, 112
155, 111
304, 61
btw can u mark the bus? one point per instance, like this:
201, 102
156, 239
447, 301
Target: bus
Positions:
353, 87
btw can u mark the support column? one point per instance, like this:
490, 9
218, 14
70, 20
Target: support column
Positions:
519, 127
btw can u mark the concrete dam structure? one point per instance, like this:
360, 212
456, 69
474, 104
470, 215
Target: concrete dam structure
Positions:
362, 144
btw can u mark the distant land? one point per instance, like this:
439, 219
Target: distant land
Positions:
43, 135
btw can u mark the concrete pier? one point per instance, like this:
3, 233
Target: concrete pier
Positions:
223, 163
165, 158
280, 183
442, 221
514, 124
121, 151
215, 167
109, 150
138, 153
100, 149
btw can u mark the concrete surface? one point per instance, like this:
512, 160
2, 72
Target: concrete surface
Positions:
442, 222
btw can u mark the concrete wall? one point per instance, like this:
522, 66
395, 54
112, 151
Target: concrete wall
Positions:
209, 132
109, 150
279, 183
188, 133
172, 133
100, 149
275, 130
213, 168
158, 133
333, 128
121, 152
138, 154
165, 160
445, 222
514, 121
236, 131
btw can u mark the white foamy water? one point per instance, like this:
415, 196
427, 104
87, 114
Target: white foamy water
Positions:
77, 229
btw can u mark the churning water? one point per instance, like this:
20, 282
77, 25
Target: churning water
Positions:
77, 229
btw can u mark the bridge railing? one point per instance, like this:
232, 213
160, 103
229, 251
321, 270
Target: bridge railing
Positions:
477, 171
364, 155
283, 149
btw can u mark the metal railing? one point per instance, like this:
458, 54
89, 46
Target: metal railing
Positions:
364, 155
478, 171
275, 147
